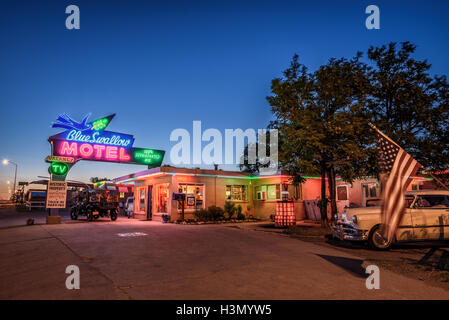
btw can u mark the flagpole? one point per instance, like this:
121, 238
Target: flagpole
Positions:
383, 134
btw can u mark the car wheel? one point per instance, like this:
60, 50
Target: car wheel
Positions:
376, 240
113, 215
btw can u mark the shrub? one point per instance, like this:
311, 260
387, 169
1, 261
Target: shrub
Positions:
229, 209
240, 216
215, 213
201, 214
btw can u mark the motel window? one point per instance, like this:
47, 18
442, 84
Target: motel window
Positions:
370, 190
141, 195
274, 192
237, 192
194, 196
162, 194
415, 186
294, 192
268, 192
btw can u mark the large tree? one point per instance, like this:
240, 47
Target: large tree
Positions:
321, 118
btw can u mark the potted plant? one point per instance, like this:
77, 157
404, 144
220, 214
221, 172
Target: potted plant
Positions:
165, 218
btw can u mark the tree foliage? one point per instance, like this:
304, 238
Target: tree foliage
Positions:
323, 116
410, 105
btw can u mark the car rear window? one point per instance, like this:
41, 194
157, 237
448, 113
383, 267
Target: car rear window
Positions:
432, 201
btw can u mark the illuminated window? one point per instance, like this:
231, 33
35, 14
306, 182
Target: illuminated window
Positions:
274, 192
370, 190
294, 192
237, 192
162, 194
268, 192
141, 195
194, 196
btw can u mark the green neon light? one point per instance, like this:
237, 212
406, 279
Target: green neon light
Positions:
100, 124
148, 156
59, 168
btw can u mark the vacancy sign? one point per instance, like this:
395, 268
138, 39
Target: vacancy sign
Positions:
56, 194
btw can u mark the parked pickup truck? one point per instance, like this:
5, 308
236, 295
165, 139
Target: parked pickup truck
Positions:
36, 199
426, 217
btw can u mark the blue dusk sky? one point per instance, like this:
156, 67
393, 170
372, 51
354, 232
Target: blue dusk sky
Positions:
159, 65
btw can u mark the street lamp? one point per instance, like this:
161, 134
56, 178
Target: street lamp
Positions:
6, 162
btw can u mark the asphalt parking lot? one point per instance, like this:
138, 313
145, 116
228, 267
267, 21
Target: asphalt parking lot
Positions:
131, 259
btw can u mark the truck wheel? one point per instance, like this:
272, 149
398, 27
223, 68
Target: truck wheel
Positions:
113, 215
376, 241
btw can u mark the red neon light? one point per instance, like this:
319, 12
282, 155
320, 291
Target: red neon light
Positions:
86, 150
69, 150
99, 148
123, 155
111, 153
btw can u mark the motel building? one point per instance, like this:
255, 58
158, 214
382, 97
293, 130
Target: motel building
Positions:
257, 195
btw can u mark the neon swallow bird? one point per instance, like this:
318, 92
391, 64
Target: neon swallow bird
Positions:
65, 122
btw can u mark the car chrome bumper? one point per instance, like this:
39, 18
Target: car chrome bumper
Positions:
345, 231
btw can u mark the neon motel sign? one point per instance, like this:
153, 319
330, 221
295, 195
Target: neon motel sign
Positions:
90, 141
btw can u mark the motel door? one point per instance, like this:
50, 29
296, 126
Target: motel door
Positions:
149, 206
342, 197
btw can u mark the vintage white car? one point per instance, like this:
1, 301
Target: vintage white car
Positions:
426, 217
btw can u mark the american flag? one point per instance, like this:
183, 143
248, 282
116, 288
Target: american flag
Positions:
397, 168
